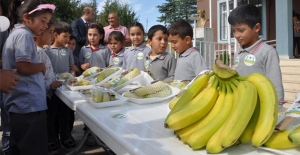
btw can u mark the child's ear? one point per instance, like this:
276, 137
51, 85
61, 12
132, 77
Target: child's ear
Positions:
257, 27
188, 40
149, 42
55, 34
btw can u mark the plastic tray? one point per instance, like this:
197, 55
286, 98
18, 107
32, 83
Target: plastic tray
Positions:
128, 82
107, 78
120, 100
174, 91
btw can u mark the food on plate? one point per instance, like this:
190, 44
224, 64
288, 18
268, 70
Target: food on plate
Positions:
157, 89
91, 71
105, 73
78, 82
99, 96
124, 77
64, 76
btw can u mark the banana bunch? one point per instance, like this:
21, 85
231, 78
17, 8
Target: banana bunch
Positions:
105, 73
91, 71
157, 89
222, 109
78, 82
124, 77
102, 96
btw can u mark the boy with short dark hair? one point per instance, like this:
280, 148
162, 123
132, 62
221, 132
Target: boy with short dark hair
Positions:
72, 45
189, 63
62, 61
159, 62
255, 55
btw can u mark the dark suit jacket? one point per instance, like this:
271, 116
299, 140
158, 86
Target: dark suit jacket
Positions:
79, 31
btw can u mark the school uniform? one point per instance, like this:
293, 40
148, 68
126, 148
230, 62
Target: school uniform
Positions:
61, 59
99, 56
135, 57
49, 74
26, 104
260, 58
162, 67
116, 59
189, 64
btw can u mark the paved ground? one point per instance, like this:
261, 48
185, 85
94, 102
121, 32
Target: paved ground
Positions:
78, 134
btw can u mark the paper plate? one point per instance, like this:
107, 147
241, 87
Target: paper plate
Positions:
4, 24
120, 100
174, 91
107, 78
74, 88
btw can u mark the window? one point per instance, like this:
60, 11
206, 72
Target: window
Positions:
223, 22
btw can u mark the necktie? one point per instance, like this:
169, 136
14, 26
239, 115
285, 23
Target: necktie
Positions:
87, 24
113, 55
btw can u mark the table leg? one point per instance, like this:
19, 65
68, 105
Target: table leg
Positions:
78, 147
104, 146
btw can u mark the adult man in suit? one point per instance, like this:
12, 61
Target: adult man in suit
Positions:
79, 27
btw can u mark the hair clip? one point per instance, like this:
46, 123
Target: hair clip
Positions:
43, 6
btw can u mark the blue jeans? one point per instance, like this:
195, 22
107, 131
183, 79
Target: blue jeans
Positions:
5, 126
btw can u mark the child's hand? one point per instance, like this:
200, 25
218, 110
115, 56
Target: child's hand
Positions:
43, 68
8, 80
74, 68
85, 66
55, 85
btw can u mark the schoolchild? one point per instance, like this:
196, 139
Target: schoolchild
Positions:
116, 42
62, 61
26, 104
46, 39
254, 55
94, 53
135, 56
159, 62
72, 45
189, 62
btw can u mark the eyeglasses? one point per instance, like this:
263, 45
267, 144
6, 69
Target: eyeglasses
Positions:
43, 6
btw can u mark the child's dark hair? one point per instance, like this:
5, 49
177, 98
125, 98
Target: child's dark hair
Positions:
100, 29
117, 35
3, 7
72, 37
61, 27
18, 8
181, 28
50, 23
156, 28
137, 24
247, 14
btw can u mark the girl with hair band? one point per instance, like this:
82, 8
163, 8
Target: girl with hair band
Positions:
26, 104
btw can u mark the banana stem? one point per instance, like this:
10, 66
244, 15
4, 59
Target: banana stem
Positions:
241, 78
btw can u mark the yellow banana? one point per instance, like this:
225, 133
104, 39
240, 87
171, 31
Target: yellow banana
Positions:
247, 134
280, 140
91, 71
194, 88
200, 138
185, 133
105, 73
150, 89
105, 97
191, 114
174, 100
131, 74
268, 108
214, 146
222, 70
294, 135
97, 96
241, 114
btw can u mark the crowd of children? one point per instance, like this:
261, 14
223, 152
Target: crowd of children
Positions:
36, 112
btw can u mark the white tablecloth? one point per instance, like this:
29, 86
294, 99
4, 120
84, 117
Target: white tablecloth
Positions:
138, 129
